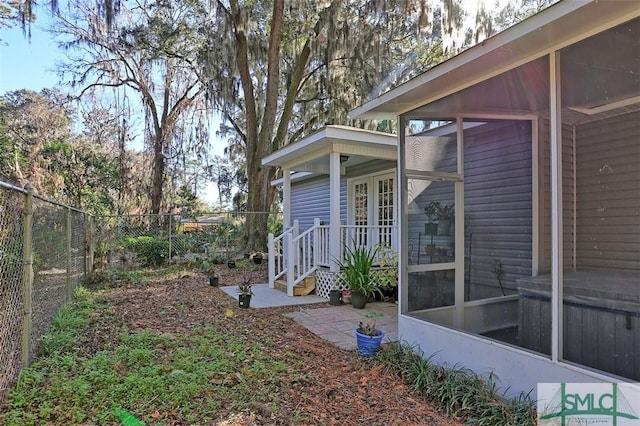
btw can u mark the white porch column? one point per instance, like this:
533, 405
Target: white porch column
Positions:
334, 211
555, 127
286, 198
459, 230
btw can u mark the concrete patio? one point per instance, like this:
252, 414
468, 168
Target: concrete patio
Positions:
335, 324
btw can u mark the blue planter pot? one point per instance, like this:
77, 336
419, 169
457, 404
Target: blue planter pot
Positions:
368, 345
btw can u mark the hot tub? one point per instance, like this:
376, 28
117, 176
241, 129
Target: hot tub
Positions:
601, 319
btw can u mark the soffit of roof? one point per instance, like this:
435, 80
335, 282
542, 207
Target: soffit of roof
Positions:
555, 27
341, 139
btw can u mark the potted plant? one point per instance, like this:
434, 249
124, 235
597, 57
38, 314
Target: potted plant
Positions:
443, 214
430, 249
335, 297
368, 336
386, 274
257, 258
206, 267
214, 280
244, 293
356, 268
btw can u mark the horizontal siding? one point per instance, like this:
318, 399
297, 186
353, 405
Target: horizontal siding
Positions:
498, 203
498, 206
608, 195
310, 200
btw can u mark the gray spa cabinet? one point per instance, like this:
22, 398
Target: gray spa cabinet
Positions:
601, 325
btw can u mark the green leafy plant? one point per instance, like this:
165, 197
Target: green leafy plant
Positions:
205, 265
458, 392
368, 326
244, 288
356, 267
152, 251
387, 273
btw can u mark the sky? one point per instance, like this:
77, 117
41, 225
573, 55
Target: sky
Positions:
27, 65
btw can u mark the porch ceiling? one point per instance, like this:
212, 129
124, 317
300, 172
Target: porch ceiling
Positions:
311, 154
508, 74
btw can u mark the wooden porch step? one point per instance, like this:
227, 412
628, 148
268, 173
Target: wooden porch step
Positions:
302, 289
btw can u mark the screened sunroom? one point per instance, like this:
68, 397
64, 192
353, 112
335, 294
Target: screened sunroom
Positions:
530, 145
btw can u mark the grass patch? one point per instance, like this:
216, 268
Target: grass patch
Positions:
157, 378
456, 391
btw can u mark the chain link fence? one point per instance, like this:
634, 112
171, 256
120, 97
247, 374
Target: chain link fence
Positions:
130, 242
47, 250
42, 260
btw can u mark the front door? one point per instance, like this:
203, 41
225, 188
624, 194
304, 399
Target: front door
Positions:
372, 209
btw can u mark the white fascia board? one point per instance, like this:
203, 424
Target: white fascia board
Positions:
389, 152
293, 162
275, 159
355, 135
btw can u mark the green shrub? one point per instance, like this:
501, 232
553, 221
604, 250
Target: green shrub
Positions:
152, 251
457, 391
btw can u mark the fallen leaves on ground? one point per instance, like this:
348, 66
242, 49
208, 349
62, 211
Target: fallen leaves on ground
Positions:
322, 385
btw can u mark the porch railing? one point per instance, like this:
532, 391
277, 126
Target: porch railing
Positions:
276, 254
297, 255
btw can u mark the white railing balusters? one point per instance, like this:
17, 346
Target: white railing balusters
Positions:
298, 255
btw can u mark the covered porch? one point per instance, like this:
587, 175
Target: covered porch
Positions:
338, 189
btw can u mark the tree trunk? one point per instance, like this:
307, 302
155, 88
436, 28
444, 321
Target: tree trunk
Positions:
258, 205
157, 175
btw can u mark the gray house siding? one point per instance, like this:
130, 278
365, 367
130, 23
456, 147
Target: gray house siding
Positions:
310, 199
606, 223
498, 208
608, 184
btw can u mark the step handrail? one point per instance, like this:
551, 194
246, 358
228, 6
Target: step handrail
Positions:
276, 253
305, 264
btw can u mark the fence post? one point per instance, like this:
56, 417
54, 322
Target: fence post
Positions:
67, 215
27, 274
170, 230
90, 245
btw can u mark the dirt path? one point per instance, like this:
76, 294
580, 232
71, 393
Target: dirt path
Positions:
325, 384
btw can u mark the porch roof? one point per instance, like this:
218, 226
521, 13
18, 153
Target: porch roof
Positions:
311, 154
500, 74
